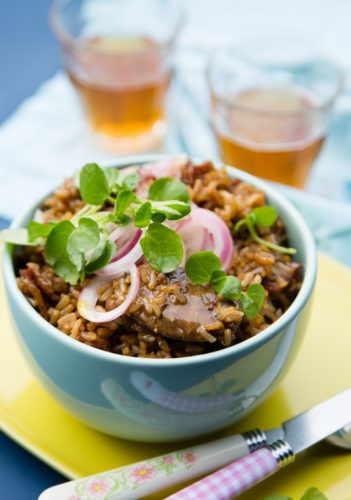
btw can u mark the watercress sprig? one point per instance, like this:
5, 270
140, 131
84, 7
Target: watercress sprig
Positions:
162, 247
81, 245
205, 267
168, 198
262, 217
96, 185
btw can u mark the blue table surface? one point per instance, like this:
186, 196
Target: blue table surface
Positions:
28, 56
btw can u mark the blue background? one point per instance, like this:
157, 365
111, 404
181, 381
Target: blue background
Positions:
28, 56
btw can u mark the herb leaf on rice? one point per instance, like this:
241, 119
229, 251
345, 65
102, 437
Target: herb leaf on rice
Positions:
93, 185
162, 247
56, 253
143, 214
205, 267
262, 217
200, 266
167, 188
38, 230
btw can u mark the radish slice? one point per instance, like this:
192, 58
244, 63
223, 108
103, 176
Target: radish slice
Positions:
123, 263
214, 236
89, 296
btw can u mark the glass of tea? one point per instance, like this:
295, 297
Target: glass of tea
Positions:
271, 104
118, 55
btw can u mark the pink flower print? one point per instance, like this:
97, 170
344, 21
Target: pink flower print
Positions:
168, 460
99, 487
189, 457
142, 473
74, 497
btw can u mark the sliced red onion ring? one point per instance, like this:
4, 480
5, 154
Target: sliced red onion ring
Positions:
167, 167
123, 263
195, 238
146, 178
89, 296
214, 236
208, 243
116, 233
125, 238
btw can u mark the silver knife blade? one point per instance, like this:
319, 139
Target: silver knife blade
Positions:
273, 435
315, 424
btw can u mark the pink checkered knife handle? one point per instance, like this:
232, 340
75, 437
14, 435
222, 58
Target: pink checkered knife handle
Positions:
237, 477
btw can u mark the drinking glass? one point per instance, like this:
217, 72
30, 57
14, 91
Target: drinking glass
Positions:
118, 56
271, 105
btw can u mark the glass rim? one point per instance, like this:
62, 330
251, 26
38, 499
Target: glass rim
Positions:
341, 76
69, 41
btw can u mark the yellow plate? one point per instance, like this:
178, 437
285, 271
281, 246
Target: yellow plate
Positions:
31, 417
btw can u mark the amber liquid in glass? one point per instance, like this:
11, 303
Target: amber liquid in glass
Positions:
280, 145
123, 85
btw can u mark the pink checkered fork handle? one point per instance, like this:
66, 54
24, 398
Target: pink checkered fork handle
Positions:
239, 476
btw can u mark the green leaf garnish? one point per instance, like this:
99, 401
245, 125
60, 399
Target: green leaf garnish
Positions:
56, 253
169, 197
103, 259
131, 181
142, 216
93, 185
162, 247
313, 494
262, 217
124, 199
158, 217
172, 210
205, 267
277, 497
38, 230
201, 265
75, 256
167, 188
229, 287
86, 236
96, 252
112, 175
123, 220
252, 300
310, 494
117, 179
17, 236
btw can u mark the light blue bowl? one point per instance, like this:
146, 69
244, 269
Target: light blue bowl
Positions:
166, 399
